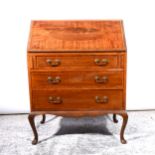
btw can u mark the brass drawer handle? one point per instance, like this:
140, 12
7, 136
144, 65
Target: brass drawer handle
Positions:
103, 99
101, 62
103, 79
54, 99
53, 63
54, 80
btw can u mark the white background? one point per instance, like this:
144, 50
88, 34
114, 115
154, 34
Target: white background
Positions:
139, 22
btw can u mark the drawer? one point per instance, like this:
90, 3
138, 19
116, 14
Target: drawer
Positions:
76, 99
74, 79
51, 61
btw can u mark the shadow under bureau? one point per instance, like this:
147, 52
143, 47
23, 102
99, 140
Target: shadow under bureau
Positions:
77, 68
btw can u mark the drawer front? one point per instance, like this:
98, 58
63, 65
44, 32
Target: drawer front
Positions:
87, 61
83, 79
77, 100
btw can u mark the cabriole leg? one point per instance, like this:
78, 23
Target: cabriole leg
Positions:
114, 118
125, 120
31, 118
43, 119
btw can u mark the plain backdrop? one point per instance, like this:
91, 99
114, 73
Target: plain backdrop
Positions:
139, 23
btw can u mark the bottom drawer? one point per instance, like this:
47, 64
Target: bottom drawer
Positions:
51, 100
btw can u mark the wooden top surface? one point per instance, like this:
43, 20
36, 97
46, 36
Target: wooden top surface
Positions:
76, 35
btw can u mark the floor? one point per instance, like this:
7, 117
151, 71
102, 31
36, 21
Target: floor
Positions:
78, 136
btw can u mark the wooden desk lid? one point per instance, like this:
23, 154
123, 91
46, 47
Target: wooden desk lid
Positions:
76, 35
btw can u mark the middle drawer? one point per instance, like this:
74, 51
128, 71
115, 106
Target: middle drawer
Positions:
74, 79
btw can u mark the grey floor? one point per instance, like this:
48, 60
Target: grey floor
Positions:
78, 136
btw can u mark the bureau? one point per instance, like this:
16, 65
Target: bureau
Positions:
77, 68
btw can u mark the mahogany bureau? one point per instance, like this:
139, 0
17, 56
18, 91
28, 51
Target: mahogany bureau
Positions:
77, 68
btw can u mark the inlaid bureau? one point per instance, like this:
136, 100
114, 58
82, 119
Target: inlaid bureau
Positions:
77, 68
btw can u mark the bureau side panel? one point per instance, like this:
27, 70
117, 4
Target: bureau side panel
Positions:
30, 66
124, 65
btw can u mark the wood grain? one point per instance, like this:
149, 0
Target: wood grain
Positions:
76, 35
77, 99
76, 60
72, 79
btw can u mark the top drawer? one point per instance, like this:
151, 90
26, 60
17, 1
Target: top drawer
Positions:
51, 61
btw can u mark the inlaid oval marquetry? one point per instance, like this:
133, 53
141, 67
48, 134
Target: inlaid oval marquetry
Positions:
74, 33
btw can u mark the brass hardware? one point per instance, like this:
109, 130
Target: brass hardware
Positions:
54, 99
101, 62
103, 99
53, 63
103, 79
54, 80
